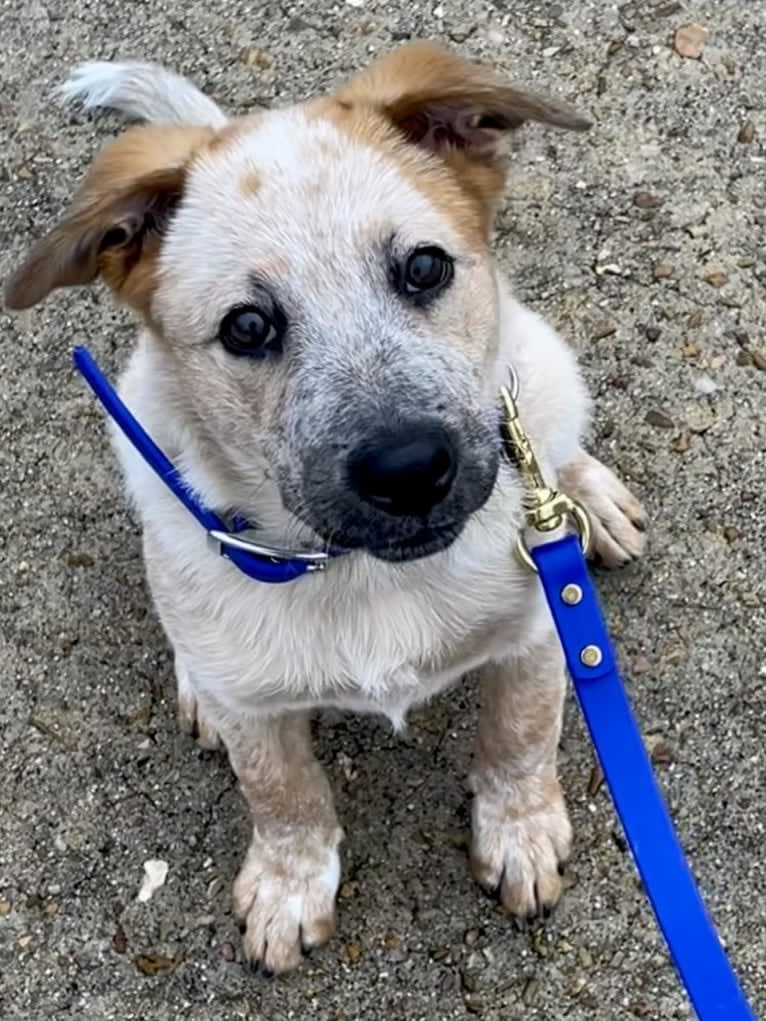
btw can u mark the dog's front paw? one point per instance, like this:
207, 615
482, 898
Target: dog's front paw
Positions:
520, 855
191, 716
286, 904
617, 519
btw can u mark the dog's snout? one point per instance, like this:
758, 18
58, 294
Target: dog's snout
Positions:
406, 471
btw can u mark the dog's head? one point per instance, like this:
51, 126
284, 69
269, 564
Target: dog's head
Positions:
321, 291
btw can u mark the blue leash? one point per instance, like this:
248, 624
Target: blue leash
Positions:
689, 933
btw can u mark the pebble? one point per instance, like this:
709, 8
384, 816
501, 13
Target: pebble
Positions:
689, 41
744, 357
759, 359
471, 937
603, 328
119, 940
646, 200
746, 133
653, 333
659, 419
354, 953
155, 874
662, 271
716, 278
705, 386
5, 908
228, 953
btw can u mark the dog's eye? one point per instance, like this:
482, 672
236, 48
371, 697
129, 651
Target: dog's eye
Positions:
427, 269
249, 330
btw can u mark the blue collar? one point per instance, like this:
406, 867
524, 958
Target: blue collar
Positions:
236, 543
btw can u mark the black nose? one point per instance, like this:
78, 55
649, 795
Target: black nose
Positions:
404, 471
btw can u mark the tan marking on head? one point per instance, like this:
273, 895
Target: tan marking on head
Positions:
250, 182
456, 196
113, 227
458, 112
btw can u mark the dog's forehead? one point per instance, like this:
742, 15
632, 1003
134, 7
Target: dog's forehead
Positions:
294, 176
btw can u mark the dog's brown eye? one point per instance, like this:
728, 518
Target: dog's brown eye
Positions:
427, 269
249, 330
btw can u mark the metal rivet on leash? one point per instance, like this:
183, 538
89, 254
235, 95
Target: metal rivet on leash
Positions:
591, 655
571, 594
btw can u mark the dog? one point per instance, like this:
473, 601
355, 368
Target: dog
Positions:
324, 332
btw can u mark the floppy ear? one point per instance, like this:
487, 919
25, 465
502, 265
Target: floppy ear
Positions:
115, 225
454, 108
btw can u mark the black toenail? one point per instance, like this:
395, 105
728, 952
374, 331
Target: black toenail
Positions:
267, 973
242, 926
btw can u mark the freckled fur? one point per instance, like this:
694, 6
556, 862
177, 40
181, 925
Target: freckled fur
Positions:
337, 178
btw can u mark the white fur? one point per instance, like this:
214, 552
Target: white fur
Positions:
141, 91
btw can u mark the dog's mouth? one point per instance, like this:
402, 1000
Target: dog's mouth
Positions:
426, 542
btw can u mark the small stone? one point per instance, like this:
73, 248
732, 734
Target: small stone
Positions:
349, 889
659, 419
577, 986
473, 1003
646, 200
51, 909
79, 560
155, 874
119, 940
641, 665
744, 357
716, 278
460, 32
391, 941
353, 953
252, 56
24, 940
603, 328
653, 333
156, 964
471, 937
660, 751
5, 908
731, 534
705, 385
689, 41
439, 953
681, 443
530, 993
468, 981
228, 953
746, 133
595, 781
690, 350
662, 271
695, 320
759, 359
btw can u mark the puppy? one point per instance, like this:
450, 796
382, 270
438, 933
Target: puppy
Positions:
324, 333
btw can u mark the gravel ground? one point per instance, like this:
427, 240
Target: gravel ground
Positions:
644, 242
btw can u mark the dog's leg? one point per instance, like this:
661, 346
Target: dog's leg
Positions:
617, 518
521, 831
285, 891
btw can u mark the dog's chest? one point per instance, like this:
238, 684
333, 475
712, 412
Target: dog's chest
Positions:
335, 641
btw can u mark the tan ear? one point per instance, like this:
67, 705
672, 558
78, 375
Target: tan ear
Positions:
457, 109
115, 224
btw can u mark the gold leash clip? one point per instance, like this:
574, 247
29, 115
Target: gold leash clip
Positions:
545, 508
